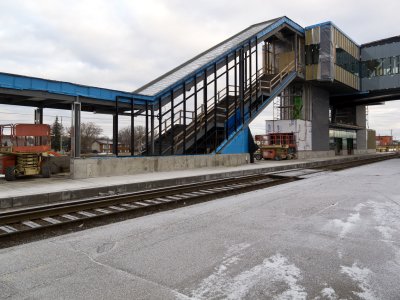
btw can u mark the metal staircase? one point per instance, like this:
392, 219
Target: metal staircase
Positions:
223, 116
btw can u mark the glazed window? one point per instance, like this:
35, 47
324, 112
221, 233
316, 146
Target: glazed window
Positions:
312, 54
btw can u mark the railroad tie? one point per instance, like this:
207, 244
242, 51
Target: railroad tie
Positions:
8, 229
51, 220
70, 217
31, 224
86, 213
117, 208
102, 210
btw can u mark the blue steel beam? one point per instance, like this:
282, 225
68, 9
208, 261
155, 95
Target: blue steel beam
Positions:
19, 82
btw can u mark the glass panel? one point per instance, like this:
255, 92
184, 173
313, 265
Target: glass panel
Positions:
347, 61
342, 133
397, 64
379, 67
312, 54
387, 68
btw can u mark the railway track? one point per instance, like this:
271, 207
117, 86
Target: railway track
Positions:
30, 224
34, 223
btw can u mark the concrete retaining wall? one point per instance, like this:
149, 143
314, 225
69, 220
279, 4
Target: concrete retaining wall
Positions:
315, 154
367, 151
330, 153
114, 166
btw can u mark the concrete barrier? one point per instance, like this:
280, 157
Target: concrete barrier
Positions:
365, 151
113, 166
315, 154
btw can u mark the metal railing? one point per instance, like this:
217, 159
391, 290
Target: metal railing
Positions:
269, 85
255, 86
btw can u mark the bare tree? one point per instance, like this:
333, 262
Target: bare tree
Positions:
89, 133
124, 137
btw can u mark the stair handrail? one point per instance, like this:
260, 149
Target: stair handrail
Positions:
220, 95
254, 80
201, 115
270, 84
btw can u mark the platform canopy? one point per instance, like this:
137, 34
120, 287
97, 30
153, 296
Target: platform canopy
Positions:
39, 92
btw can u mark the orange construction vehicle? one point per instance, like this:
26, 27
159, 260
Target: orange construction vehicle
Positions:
24, 149
276, 146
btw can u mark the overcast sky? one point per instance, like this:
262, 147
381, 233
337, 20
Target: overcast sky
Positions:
125, 44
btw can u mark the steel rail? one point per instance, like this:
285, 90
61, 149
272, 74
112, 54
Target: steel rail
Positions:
33, 220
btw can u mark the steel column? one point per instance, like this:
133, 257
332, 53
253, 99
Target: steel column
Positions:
256, 59
273, 57
184, 118
205, 110
215, 107
241, 83
115, 129
38, 115
195, 114
256, 82
172, 123
227, 99
295, 51
236, 91
76, 129
245, 68
132, 127
152, 128
159, 126
250, 79
147, 128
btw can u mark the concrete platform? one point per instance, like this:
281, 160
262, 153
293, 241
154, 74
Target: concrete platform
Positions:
333, 236
39, 191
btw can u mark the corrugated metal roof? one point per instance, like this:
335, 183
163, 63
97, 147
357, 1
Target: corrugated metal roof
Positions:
202, 59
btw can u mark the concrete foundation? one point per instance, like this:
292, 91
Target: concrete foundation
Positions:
114, 166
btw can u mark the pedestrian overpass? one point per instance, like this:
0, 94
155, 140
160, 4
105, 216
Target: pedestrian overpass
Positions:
205, 105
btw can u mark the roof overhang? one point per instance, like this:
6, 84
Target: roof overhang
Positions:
366, 98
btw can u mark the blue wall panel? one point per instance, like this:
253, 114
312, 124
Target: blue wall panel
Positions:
238, 143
